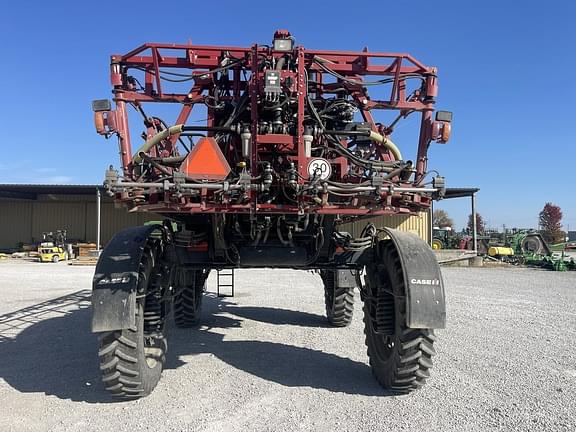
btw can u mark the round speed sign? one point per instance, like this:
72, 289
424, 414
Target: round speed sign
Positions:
319, 168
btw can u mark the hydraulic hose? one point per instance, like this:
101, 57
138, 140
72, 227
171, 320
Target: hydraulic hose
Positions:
365, 163
374, 136
155, 140
386, 142
280, 63
173, 130
206, 129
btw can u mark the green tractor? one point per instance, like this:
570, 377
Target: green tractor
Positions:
445, 238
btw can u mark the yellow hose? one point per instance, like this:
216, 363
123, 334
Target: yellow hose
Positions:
173, 130
375, 136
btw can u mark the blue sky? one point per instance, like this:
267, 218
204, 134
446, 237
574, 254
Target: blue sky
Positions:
506, 69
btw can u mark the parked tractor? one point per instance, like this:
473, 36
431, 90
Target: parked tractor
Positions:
290, 149
445, 238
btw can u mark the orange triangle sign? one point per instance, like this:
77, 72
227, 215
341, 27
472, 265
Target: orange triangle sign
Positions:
206, 161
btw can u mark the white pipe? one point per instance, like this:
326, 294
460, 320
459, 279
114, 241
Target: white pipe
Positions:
98, 211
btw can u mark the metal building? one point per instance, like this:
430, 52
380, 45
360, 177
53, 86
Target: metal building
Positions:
26, 211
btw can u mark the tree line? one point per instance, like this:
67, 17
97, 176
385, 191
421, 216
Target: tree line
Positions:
550, 222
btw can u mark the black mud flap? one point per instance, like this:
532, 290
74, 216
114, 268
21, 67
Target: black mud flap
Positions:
116, 280
425, 300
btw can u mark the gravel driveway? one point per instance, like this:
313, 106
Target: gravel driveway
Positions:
266, 360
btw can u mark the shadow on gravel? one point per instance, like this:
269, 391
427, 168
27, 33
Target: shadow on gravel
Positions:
281, 363
278, 316
57, 355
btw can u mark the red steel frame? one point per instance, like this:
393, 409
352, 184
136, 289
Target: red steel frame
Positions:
152, 57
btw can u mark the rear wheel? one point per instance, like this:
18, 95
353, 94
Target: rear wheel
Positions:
437, 244
188, 298
533, 243
339, 301
400, 357
131, 360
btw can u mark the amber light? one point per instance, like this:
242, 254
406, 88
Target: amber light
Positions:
446, 132
99, 123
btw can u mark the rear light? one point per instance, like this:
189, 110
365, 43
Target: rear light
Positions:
104, 117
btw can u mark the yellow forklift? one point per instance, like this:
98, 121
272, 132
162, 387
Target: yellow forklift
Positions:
53, 247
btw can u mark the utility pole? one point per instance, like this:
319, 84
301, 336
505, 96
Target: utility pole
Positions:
431, 223
474, 227
98, 208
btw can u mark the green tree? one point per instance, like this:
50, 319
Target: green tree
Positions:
441, 219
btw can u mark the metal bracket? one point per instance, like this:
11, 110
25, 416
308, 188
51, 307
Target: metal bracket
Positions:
346, 278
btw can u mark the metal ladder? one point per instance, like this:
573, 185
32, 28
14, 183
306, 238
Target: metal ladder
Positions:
225, 279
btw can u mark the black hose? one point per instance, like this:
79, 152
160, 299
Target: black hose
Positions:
163, 123
367, 83
365, 133
365, 163
188, 77
205, 129
238, 109
139, 108
156, 165
319, 245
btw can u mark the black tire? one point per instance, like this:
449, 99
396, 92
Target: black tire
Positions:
400, 357
339, 301
188, 299
55, 259
533, 243
131, 360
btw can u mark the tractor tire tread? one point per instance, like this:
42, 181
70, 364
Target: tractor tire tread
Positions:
119, 363
408, 367
339, 302
125, 372
188, 304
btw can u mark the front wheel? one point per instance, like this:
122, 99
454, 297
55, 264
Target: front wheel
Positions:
400, 357
131, 360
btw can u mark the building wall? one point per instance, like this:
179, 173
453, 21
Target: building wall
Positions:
23, 221
419, 224
15, 222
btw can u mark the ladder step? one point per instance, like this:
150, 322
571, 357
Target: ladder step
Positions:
225, 279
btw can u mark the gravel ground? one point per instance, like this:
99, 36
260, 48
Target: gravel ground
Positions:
265, 359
